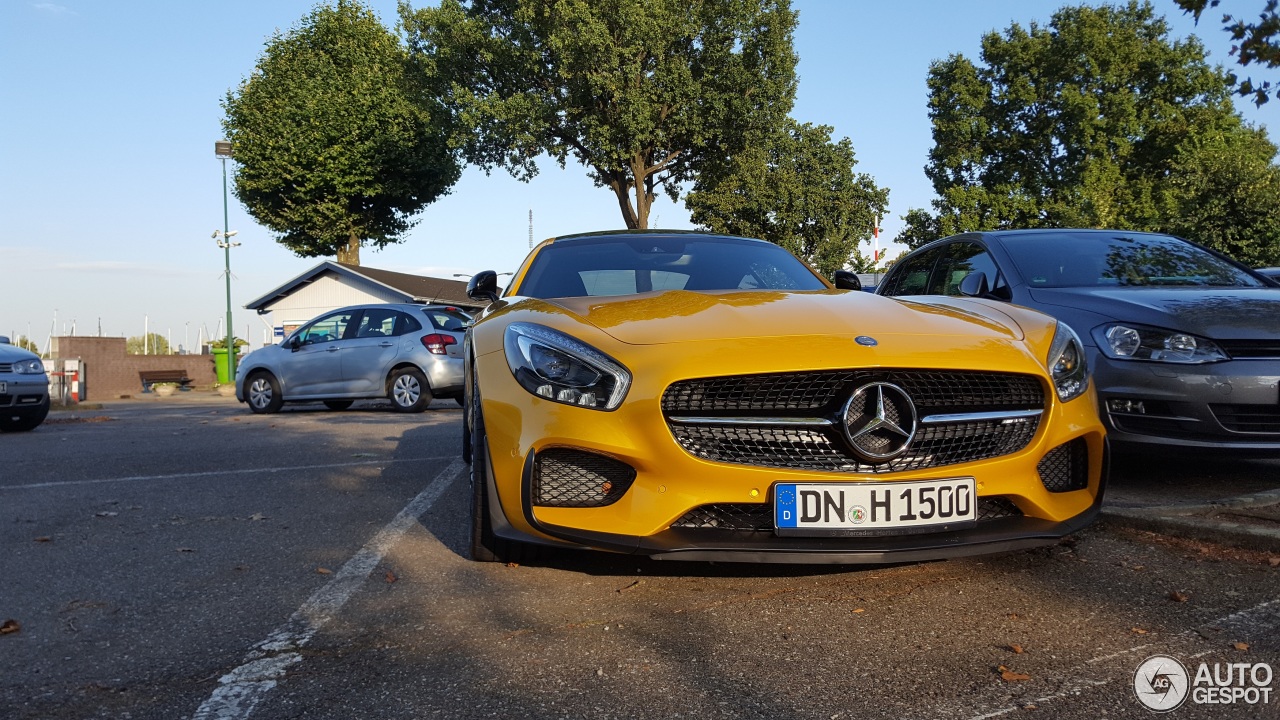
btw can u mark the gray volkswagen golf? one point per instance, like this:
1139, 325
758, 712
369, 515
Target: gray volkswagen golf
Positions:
403, 352
1183, 342
24, 389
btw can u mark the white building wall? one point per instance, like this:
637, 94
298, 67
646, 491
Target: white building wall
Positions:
324, 294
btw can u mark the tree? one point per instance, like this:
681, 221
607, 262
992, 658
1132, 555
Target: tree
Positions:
149, 344
797, 188
1258, 42
337, 145
25, 343
1083, 123
641, 93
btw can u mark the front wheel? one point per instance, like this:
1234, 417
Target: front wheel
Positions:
408, 390
262, 392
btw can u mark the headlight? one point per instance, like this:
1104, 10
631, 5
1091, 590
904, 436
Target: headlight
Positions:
28, 367
1067, 364
557, 367
1138, 342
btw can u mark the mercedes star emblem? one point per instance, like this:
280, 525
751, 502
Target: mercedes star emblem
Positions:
879, 421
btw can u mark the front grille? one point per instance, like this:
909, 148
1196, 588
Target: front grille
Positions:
752, 419
1264, 419
6, 367
758, 517
563, 477
1250, 349
1066, 467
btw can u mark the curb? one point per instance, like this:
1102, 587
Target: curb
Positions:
1190, 521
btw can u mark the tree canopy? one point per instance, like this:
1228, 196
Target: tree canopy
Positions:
641, 93
149, 344
797, 189
1097, 120
337, 145
1257, 42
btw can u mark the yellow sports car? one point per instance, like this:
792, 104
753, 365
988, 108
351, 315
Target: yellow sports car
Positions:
702, 397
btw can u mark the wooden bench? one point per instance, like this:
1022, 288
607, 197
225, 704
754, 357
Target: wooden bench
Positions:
150, 377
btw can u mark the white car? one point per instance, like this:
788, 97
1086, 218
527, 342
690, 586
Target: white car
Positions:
24, 389
403, 352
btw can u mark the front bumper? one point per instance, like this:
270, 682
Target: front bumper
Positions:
25, 396
1233, 405
669, 482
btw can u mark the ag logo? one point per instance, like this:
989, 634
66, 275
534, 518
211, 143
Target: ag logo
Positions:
1161, 683
857, 514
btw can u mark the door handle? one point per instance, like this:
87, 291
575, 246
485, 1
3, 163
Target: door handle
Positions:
332, 348
385, 344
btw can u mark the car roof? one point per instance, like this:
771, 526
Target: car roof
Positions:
588, 236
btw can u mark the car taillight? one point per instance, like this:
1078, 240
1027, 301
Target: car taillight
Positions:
435, 343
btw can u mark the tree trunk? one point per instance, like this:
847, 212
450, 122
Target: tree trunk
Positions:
350, 254
620, 189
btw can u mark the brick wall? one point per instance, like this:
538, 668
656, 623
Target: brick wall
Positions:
110, 373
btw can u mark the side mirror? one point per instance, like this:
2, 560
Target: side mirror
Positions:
484, 286
975, 285
846, 280
295, 342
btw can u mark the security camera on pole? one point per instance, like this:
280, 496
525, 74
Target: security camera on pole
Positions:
222, 149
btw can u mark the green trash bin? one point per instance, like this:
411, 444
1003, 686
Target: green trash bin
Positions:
225, 377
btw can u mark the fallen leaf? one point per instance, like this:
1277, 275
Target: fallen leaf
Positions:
1013, 616
44, 538
513, 565
184, 550
1179, 596
860, 610
1241, 646
9, 626
1016, 648
1010, 676
1274, 562
628, 587
1138, 631
257, 516
106, 513
391, 577
324, 571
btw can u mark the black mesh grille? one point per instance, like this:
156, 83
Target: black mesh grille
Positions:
931, 391
1066, 467
1264, 419
573, 478
758, 517
823, 395
823, 449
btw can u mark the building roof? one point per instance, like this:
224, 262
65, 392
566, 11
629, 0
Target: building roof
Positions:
413, 288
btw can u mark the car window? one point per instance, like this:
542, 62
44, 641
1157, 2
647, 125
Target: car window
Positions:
327, 328
377, 322
628, 264
1088, 259
960, 259
911, 275
406, 323
448, 319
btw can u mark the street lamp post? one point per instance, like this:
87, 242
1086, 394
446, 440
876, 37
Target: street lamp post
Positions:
222, 149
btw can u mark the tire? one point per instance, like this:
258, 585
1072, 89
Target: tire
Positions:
338, 404
484, 544
408, 391
24, 423
262, 392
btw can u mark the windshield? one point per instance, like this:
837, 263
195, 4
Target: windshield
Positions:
1091, 259
629, 264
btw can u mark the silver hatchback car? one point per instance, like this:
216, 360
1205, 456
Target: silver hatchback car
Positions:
24, 389
403, 352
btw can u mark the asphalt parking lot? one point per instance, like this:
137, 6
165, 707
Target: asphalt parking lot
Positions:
181, 557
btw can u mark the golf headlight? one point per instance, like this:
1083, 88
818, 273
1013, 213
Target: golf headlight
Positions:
1067, 364
557, 367
1139, 342
28, 367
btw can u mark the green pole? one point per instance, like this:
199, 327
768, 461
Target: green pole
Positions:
226, 247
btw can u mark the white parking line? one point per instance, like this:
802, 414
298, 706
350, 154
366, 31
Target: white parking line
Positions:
212, 473
1258, 617
240, 690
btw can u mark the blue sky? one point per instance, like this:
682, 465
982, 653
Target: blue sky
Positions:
109, 188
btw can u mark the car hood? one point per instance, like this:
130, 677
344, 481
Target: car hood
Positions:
677, 316
1219, 313
13, 353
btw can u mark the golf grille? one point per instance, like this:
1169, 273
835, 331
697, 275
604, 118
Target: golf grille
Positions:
573, 478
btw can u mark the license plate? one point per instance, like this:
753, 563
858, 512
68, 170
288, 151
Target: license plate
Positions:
3, 388
874, 508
